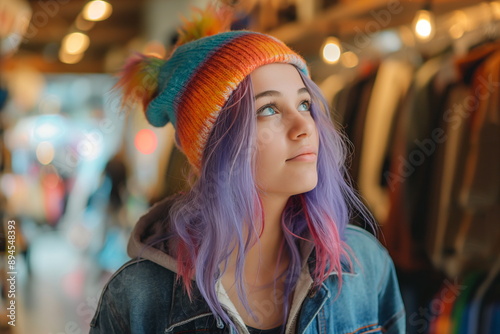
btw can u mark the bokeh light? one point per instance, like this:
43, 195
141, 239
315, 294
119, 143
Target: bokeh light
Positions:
146, 141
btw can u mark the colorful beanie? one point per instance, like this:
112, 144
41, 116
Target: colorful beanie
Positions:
190, 88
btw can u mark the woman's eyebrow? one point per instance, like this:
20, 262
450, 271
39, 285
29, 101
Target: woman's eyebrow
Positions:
303, 90
276, 93
267, 93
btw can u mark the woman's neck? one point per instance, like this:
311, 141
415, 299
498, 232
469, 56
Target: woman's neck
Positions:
266, 251
263, 260
263, 265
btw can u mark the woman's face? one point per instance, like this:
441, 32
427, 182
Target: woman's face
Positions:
287, 137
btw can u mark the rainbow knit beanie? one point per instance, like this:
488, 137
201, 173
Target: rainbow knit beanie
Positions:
190, 88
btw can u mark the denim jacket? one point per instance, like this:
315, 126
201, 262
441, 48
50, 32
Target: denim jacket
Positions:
144, 297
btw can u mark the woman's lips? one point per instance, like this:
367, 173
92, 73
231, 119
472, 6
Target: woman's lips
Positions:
306, 157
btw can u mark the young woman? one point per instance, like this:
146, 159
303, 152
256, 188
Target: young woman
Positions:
261, 243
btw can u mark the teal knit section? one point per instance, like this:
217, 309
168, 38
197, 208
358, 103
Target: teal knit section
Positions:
178, 70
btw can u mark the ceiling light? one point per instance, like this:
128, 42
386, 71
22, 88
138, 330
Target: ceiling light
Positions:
424, 25
331, 50
97, 10
75, 43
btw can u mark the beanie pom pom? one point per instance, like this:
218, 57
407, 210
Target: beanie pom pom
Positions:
203, 23
139, 79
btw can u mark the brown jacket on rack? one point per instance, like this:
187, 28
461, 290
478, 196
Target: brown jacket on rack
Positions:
466, 207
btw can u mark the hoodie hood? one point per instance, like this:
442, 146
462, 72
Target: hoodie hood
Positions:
148, 225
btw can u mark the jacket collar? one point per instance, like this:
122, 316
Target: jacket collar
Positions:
183, 310
304, 296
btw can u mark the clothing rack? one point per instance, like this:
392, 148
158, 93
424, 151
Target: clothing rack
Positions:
426, 162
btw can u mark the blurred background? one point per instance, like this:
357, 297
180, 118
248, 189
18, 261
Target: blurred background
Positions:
413, 83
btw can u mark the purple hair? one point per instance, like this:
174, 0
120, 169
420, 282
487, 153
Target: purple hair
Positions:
216, 216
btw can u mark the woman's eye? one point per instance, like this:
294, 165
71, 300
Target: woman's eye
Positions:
266, 111
305, 106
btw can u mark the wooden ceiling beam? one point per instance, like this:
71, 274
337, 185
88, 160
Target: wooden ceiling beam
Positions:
71, 8
87, 65
338, 17
99, 35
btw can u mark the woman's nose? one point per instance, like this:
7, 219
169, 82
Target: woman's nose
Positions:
301, 125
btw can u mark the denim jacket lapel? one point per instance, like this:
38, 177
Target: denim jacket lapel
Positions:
182, 310
312, 305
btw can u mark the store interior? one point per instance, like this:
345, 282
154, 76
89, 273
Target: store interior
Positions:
412, 84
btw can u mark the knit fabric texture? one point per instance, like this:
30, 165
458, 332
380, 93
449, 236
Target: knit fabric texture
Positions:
196, 81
